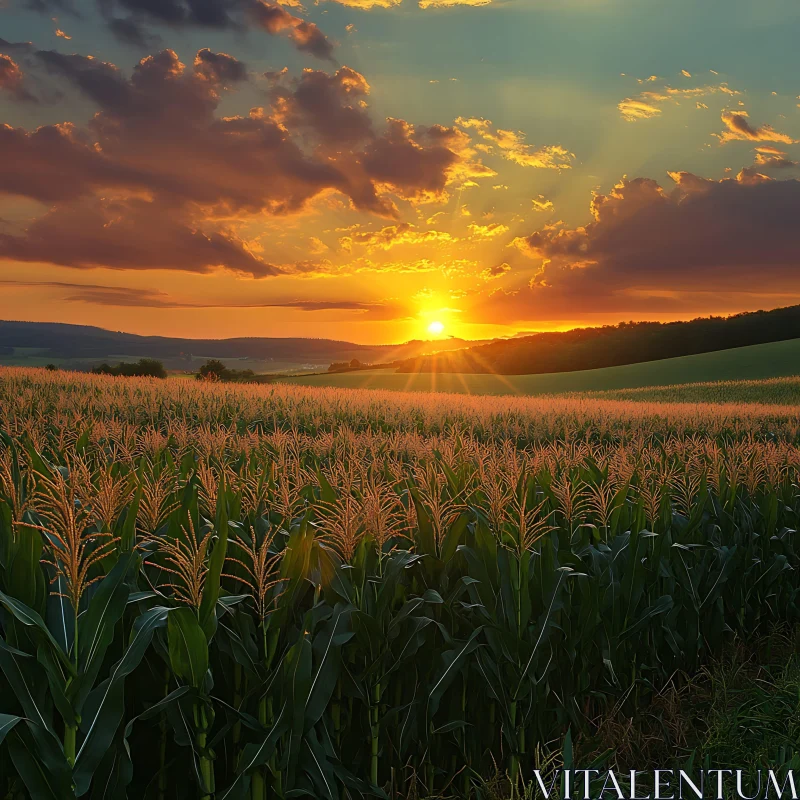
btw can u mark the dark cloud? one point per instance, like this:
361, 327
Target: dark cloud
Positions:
207, 13
330, 106
56, 163
219, 68
99, 80
647, 245
49, 6
270, 17
12, 79
305, 36
130, 234
739, 128
133, 33
774, 161
158, 132
414, 163
156, 154
131, 21
497, 270
128, 297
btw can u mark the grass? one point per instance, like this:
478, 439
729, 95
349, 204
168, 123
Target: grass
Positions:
741, 710
775, 360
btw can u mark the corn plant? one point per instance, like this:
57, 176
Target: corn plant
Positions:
238, 592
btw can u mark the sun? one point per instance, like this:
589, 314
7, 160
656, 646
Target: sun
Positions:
436, 328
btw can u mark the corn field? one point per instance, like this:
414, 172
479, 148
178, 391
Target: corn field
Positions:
274, 592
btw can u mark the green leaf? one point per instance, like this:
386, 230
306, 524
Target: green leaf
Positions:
452, 538
453, 659
327, 649
105, 706
28, 683
29, 618
211, 588
40, 762
7, 723
25, 579
188, 647
96, 626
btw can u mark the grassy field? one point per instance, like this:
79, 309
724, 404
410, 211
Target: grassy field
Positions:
778, 359
238, 591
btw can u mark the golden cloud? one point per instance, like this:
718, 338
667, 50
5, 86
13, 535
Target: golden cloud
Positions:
487, 231
646, 105
513, 147
739, 129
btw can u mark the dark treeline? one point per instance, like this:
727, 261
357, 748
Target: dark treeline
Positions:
215, 370
614, 345
144, 368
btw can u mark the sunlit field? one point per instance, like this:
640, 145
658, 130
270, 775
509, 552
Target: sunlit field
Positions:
225, 591
778, 359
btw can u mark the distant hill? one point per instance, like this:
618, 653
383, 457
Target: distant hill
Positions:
614, 345
776, 360
80, 346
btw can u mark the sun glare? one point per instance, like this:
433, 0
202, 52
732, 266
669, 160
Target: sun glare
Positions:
436, 328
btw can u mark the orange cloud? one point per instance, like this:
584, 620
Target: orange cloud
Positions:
487, 231
496, 271
643, 238
513, 147
393, 235
452, 3
647, 105
366, 5
739, 129
127, 191
541, 203
12, 78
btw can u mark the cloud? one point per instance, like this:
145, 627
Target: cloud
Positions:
219, 68
512, 145
12, 79
366, 5
133, 33
141, 15
419, 163
647, 105
541, 203
735, 234
393, 235
305, 36
156, 154
129, 297
739, 129
487, 231
451, 3
330, 106
642, 106
766, 161
130, 234
496, 271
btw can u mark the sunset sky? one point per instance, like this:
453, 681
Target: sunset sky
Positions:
361, 169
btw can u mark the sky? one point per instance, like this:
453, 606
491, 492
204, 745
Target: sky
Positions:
383, 170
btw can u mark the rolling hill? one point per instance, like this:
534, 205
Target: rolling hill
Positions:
776, 359
82, 346
614, 345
